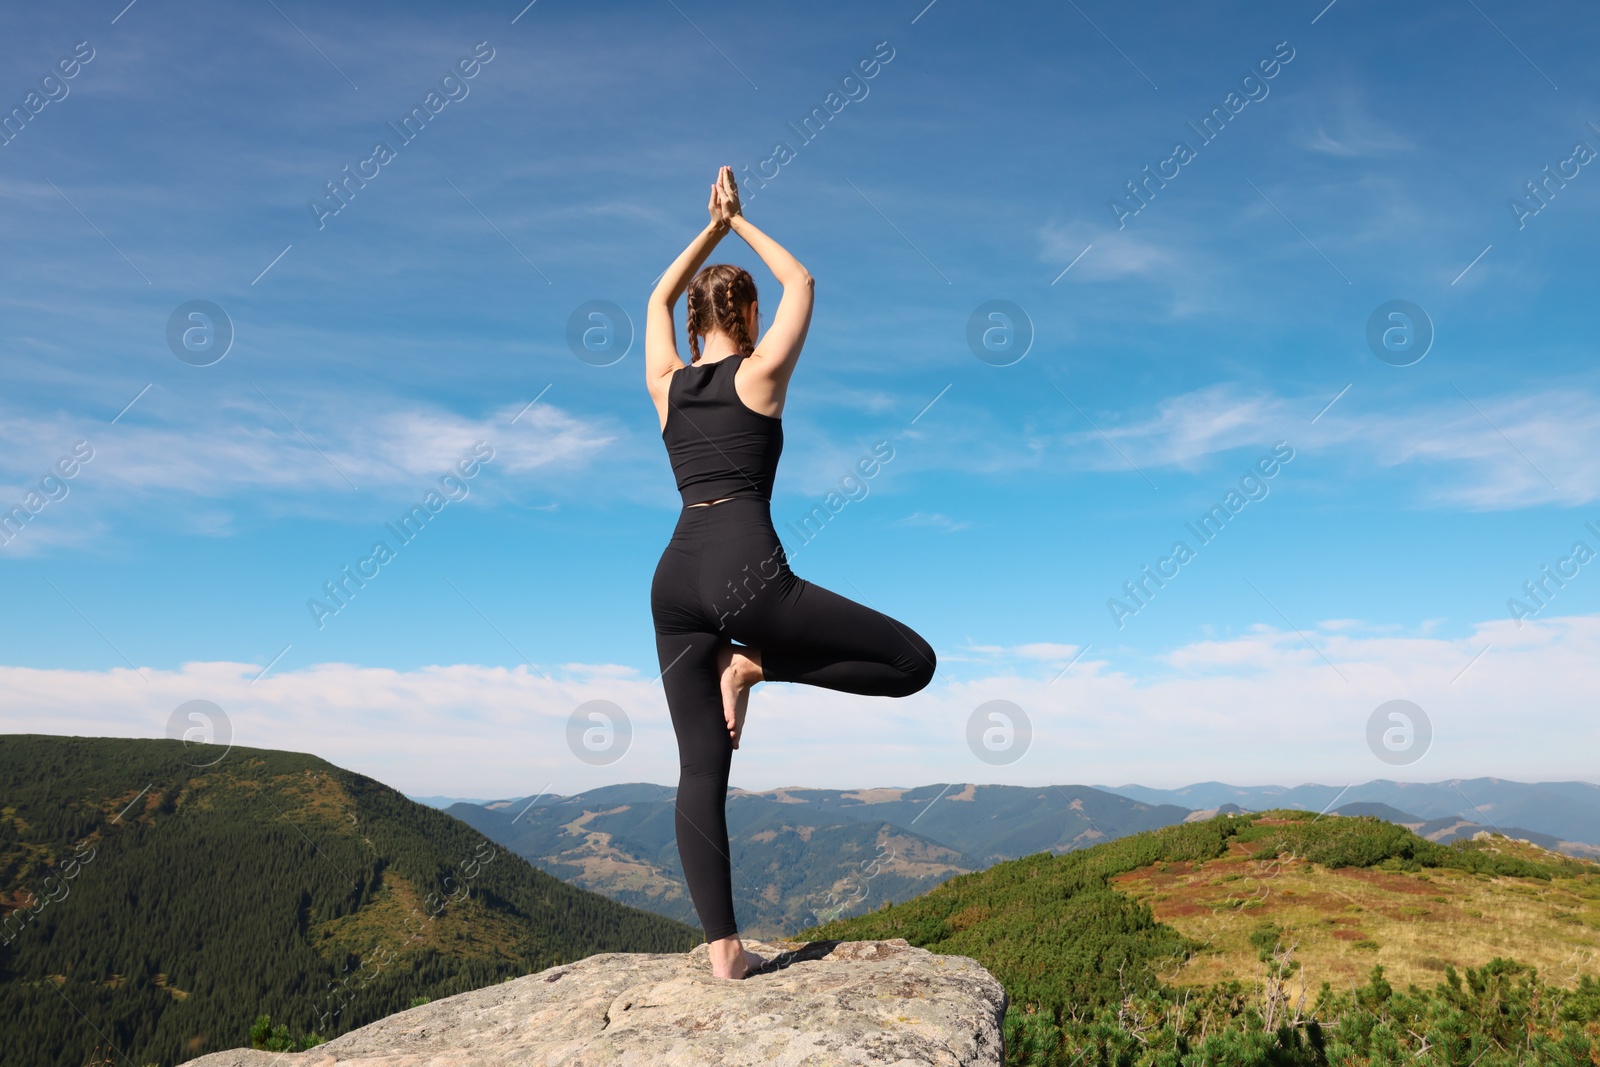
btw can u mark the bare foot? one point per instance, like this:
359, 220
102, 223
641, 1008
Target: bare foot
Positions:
730, 959
738, 670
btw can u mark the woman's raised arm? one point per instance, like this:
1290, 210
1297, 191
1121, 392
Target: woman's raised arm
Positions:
779, 348
661, 357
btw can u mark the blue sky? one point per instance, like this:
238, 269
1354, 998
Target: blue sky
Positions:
978, 163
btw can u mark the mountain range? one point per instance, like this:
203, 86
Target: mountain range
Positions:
160, 899
1566, 811
804, 856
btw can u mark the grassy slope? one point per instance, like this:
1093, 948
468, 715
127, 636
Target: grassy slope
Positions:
1062, 935
1343, 920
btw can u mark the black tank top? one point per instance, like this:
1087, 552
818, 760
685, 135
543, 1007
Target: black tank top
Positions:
719, 447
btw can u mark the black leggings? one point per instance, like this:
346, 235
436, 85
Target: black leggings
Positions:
724, 577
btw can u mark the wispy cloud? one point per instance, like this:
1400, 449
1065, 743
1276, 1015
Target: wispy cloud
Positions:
934, 519
1348, 128
1116, 253
1478, 452
1187, 428
1506, 451
310, 452
1034, 652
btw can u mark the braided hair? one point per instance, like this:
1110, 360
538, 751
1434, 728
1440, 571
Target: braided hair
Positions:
717, 299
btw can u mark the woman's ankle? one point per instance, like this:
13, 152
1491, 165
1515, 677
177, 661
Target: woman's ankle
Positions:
728, 957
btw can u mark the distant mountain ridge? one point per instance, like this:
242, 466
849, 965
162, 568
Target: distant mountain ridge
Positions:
805, 855
800, 855
1564, 811
1454, 828
444, 802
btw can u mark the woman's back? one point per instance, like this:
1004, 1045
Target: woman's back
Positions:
719, 446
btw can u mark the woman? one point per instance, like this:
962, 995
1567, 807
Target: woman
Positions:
723, 577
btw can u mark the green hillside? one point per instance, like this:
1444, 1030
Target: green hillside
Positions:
1083, 961
161, 907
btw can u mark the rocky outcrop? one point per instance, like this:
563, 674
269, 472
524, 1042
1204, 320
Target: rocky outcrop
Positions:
827, 1002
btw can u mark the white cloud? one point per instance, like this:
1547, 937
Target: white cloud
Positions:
934, 519
1192, 426
1461, 449
1350, 129
1447, 449
254, 446
1515, 451
1111, 254
1260, 707
1035, 652
310, 456
1479, 452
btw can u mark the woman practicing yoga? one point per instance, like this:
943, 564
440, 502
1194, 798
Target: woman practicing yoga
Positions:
723, 577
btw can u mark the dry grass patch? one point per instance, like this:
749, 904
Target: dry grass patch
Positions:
1344, 920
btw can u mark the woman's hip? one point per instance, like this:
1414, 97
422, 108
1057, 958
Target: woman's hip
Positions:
713, 557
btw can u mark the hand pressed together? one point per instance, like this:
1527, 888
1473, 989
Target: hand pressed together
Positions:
724, 203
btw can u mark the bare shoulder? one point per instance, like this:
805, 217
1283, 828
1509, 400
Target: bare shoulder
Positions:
660, 393
762, 365
660, 383
759, 387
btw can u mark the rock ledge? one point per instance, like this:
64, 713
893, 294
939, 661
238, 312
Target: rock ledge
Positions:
826, 1002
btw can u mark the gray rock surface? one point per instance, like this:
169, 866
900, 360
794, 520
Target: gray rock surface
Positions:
828, 1002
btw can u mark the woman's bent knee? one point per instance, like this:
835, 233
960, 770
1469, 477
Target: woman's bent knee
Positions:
919, 668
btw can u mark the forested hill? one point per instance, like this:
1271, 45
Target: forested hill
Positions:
160, 907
